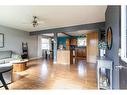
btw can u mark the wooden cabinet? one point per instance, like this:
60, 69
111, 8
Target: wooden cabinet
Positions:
71, 41
74, 41
81, 53
67, 43
63, 57
84, 52
92, 47
107, 65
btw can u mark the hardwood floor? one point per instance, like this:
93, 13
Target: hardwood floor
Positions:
42, 74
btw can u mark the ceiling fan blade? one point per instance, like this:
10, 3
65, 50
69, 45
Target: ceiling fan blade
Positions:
34, 23
26, 22
41, 22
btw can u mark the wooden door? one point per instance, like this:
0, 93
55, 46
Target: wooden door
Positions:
92, 47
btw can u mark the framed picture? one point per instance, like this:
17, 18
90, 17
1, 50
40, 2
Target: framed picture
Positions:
1, 40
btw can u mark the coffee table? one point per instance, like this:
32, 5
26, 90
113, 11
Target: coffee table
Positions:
19, 65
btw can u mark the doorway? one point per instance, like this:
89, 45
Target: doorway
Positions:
46, 48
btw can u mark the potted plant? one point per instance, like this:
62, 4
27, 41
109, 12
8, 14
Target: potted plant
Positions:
102, 45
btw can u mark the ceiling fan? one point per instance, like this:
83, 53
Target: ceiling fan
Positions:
35, 22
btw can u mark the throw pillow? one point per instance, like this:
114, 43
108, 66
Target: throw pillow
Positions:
2, 62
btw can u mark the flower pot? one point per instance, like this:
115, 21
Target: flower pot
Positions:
102, 52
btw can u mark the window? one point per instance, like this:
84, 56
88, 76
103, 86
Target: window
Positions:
45, 43
124, 33
81, 42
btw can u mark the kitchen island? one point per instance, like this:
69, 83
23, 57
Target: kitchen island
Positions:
63, 57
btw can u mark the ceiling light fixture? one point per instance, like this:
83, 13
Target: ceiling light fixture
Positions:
35, 21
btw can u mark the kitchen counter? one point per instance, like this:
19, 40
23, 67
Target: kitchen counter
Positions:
63, 57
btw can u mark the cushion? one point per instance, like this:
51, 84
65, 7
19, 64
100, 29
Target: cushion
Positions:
2, 62
6, 65
5, 54
16, 56
8, 60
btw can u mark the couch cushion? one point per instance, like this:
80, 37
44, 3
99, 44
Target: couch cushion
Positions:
6, 65
5, 54
16, 56
2, 62
7, 60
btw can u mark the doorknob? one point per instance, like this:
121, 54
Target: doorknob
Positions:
120, 67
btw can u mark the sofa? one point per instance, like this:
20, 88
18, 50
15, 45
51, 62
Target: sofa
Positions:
5, 58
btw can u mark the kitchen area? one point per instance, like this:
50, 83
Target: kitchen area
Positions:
69, 48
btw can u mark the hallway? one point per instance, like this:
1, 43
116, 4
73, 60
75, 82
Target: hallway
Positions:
42, 74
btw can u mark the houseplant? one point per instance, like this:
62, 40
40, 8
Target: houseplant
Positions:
102, 45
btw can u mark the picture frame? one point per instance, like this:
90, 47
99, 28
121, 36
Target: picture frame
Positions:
1, 40
109, 38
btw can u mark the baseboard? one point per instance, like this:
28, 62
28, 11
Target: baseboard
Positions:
35, 58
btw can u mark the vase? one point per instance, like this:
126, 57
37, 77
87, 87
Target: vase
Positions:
102, 52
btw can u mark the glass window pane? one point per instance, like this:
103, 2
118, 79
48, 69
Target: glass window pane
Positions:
45, 43
81, 41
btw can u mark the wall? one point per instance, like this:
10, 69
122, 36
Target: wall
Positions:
39, 46
112, 17
14, 38
62, 40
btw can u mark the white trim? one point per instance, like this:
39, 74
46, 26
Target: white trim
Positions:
123, 33
34, 58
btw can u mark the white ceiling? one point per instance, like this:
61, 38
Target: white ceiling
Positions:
20, 17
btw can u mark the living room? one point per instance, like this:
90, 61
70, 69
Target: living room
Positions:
26, 24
